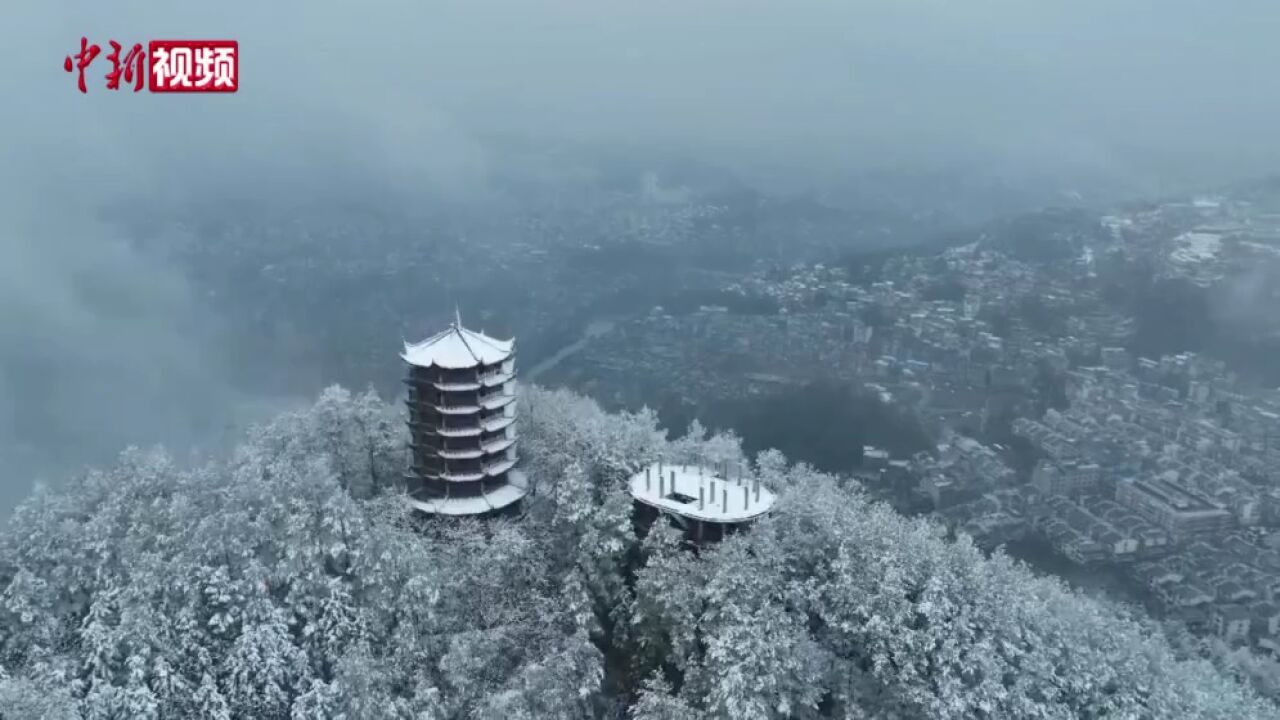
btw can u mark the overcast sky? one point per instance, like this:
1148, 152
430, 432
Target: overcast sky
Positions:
410, 86
336, 96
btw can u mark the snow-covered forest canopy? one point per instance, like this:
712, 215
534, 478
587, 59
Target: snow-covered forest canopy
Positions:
288, 581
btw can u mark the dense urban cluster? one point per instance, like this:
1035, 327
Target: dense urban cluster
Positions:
1060, 408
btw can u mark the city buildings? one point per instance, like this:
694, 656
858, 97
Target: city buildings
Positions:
1048, 407
1182, 512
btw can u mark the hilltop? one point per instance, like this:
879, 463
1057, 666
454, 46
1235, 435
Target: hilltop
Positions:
288, 582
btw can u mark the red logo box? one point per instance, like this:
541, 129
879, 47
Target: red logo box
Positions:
193, 66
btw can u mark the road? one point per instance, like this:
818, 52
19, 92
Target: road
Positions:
594, 330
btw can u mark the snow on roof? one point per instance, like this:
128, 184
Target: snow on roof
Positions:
457, 348
1195, 247
515, 489
724, 501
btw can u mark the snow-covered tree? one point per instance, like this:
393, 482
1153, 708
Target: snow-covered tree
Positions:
24, 697
288, 581
656, 702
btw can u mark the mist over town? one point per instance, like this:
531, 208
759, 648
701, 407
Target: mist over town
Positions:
668, 360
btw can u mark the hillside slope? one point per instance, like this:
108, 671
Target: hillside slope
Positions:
288, 583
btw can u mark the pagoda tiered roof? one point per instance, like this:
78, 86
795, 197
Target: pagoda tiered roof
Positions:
457, 348
499, 498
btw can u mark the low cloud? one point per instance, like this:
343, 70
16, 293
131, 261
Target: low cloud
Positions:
102, 343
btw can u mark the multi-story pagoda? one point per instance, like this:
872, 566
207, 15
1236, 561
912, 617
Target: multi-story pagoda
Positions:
462, 412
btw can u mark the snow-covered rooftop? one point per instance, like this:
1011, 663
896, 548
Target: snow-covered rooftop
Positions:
457, 348
1194, 247
517, 487
700, 493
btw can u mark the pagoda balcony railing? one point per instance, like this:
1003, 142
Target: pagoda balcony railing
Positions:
458, 475
457, 385
457, 409
507, 410
471, 472
459, 431
496, 377
470, 443
434, 443
497, 401
417, 385
442, 404
440, 489
497, 422
498, 467
441, 375
493, 400
491, 436
498, 444
486, 445
430, 410
452, 425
